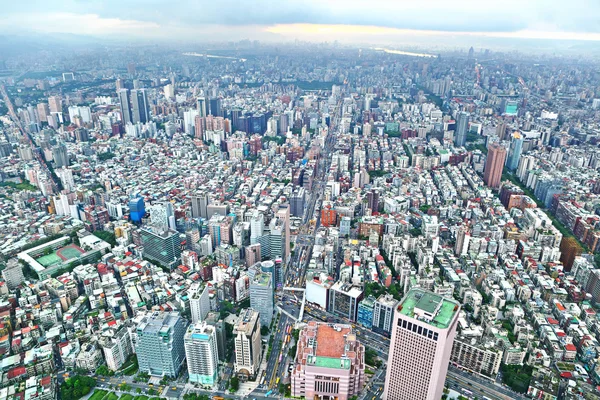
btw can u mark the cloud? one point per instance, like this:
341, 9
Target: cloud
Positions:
84, 24
190, 17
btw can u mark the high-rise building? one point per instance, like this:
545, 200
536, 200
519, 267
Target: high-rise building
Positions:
423, 332
55, 104
163, 247
43, 112
140, 110
213, 319
463, 237
248, 346
162, 216
202, 109
383, 314
202, 354
257, 226
329, 362
199, 301
137, 209
516, 148
215, 107
297, 202
262, 296
117, 346
160, 344
124, 104
344, 299
283, 213
13, 274
199, 205
492, 173
60, 155
462, 126
373, 200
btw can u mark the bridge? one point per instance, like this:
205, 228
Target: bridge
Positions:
302, 303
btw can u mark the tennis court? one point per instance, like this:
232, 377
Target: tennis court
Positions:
61, 255
49, 260
69, 252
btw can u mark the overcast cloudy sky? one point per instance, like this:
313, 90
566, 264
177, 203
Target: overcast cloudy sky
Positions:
307, 19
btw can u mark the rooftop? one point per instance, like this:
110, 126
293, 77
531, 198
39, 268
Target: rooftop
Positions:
427, 306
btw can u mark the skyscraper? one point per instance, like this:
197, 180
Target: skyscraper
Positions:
215, 107
462, 125
262, 296
202, 353
283, 213
516, 148
60, 155
492, 173
140, 107
55, 103
422, 337
248, 348
124, 104
159, 345
202, 107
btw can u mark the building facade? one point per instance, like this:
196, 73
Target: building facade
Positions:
160, 345
423, 332
202, 354
329, 363
248, 346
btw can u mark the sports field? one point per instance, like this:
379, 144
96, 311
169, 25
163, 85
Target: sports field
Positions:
60, 255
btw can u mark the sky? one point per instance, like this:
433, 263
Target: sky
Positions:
315, 20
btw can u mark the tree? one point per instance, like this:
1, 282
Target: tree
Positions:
76, 387
371, 358
138, 390
234, 384
104, 371
264, 330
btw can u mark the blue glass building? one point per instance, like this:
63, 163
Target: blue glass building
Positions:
137, 209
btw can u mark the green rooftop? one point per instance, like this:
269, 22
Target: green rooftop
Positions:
434, 309
329, 362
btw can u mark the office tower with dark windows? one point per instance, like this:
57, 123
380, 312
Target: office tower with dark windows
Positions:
462, 127
140, 108
423, 331
215, 107
202, 108
124, 104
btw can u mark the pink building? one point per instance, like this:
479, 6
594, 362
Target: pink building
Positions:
423, 331
329, 363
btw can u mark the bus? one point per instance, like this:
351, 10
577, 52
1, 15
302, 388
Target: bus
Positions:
268, 393
280, 356
277, 381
